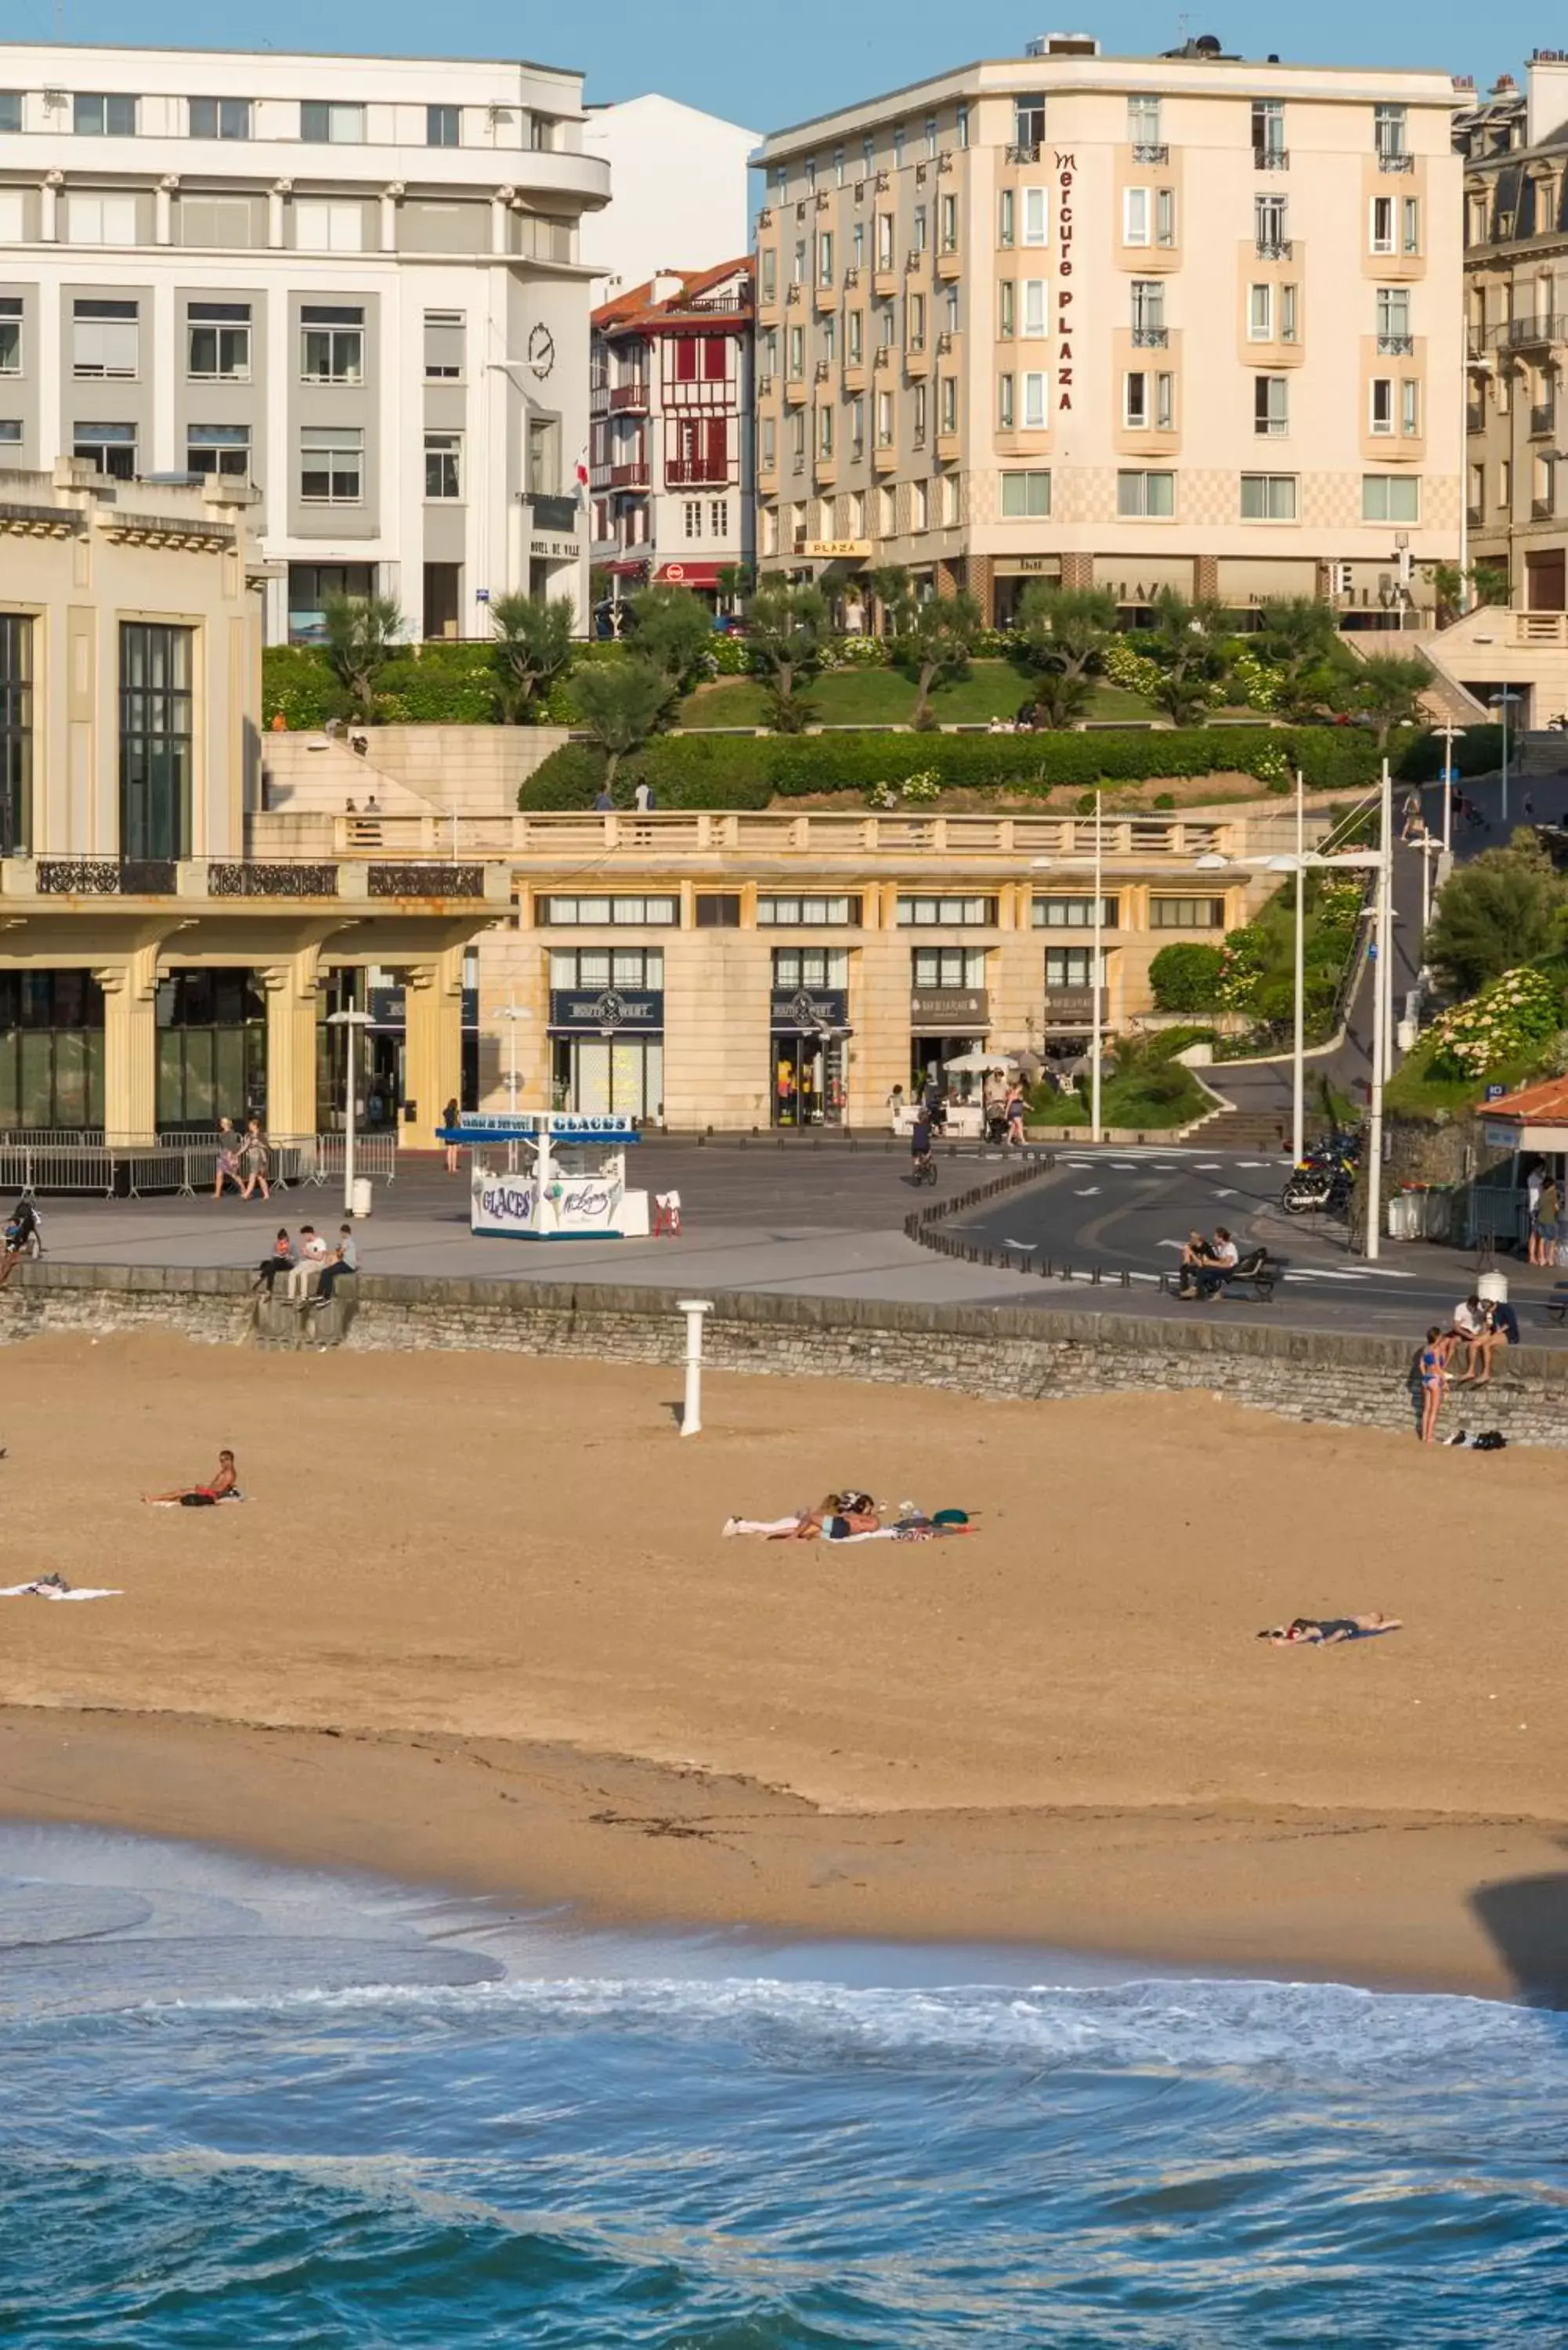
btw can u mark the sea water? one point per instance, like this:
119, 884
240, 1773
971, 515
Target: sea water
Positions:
241, 2106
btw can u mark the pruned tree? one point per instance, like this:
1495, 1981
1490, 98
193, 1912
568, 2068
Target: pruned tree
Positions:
532, 645
785, 627
933, 638
620, 704
1386, 689
1502, 908
1191, 653
1060, 637
671, 629
360, 635
1298, 638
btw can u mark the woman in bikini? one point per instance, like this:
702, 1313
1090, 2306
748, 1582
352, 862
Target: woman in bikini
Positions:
1328, 1631
201, 1497
1434, 1380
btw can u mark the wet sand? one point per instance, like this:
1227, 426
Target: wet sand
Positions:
478, 1625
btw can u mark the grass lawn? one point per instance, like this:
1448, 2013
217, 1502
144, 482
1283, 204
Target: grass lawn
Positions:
1414, 1091
1125, 1102
881, 697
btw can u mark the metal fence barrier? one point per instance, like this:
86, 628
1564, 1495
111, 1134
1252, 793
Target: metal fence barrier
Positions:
181, 1164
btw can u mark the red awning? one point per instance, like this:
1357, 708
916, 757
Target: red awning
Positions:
691, 574
626, 570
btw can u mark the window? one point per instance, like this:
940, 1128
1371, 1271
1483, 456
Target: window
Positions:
796, 967
13, 216
1271, 405
808, 914
1287, 313
217, 220
104, 341
218, 342
796, 353
219, 448
1185, 913
952, 501
1411, 408
334, 124
857, 244
10, 432
915, 322
1006, 308
1268, 497
1075, 913
1036, 402
919, 414
331, 343
10, 334
1135, 215
1143, 120
918, 232
155, 705
930, 138
443, 465
947, 966
101, 220
898, 146
1382, 418
867, 154
1388, 132
884, 419
1146, 494
1135, 401
798, 263
1036, 315
1006, 218
1036, 216
109, 447
1268, 132
719, 518
1394, 318
825, 258
887, 512
10, 109
919, 507
883, 241
1505, 485
1410, 224
1148, 313
811, 175
825, 433
855, 338
15, 734
692, 518
1029, 119
1269, 224
1006, 406
443, 346
838, 167
636, 914
718, 910
768, 451
768, 274
542, 456
947, 404
443, 126
103, 118
948, 229
1165, 217
1164, 403
885, 328
329, 228
1261, 314
220, 118
639, 967
960, 126
1390, 497
1071, 967
949, 913
331, 465
1382, 224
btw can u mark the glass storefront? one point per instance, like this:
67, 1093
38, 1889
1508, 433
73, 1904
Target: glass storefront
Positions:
212, 1048
809, 1027
606, 1030
51, 1052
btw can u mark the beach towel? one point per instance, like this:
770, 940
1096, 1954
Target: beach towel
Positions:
54, 1591
932, 1532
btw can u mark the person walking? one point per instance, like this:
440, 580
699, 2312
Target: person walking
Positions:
228, 1157
255, 1160
449, 1119
1014, 1111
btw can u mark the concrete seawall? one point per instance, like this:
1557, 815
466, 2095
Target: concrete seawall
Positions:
1008, 1352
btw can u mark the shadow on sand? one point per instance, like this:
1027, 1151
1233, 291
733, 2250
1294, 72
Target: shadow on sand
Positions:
1527, 1918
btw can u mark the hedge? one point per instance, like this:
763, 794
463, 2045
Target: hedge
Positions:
748, 770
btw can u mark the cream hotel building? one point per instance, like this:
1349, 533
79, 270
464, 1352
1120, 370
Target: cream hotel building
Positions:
1187, 321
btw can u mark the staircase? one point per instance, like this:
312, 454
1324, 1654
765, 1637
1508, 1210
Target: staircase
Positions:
1540, 755
315, 774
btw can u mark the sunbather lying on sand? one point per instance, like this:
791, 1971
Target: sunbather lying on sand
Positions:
835, 1517
223, 1487
1327, 1631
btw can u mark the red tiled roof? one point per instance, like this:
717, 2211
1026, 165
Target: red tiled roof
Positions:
1545, 1103
637, 307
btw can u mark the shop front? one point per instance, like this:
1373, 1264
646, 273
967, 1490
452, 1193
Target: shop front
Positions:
809, 1024
607, 1032
950, 1012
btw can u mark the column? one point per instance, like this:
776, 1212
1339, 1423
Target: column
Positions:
1205, 579
130, 1048
49, 208
499, 203
275, 196
292, 988
391, 195
163, 208
432, 1046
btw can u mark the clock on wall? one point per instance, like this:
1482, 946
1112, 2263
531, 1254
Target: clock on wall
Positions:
541, 352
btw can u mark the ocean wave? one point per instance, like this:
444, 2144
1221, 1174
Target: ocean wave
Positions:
1296, 2031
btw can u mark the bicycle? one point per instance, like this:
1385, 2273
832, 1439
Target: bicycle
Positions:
926, 1169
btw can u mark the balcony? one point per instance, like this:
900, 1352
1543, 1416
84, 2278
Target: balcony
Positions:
916, 360
1518, 334
826, 469
1024, 151
1274, 248
884, 458
697, 473
106, 876
823, 370
1543, 420
826, 295
1541, 509
794, 392
1388, 161
949, 264
852, 277
765, 384
1270, 159
1475, 419
855, 373
627, 399
632, 476
948, 444
884, 355
1475, 516
1151, 338
1396, 347
1147, 151
885, 278
915, 260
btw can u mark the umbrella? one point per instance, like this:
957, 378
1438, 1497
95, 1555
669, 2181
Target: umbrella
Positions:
976, 1065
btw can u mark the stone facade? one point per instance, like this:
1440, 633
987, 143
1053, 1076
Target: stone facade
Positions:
1007, 1353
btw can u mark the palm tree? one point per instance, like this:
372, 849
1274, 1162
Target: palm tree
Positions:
360, 635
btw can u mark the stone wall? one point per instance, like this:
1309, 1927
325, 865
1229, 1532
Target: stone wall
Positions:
1012, 1352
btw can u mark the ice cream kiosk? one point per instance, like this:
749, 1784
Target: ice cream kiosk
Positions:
550, 1175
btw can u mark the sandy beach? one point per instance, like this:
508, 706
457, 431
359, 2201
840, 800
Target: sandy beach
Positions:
478, 1625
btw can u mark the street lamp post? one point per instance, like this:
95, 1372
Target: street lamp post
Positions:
1499, 700
512, 1014
1096, 1014
1448, 731
1298, 1036
351, 1020
1381, 999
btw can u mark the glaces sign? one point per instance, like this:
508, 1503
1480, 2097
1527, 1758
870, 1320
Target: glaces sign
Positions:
1066, 171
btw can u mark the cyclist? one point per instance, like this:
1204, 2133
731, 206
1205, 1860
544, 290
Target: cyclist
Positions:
920, 1141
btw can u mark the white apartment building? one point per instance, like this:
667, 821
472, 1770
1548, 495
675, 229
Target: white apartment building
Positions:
353, 282
671, 478
679, 191
1188, 321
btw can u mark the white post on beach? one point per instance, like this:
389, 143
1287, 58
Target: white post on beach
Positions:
1298, 1048
351, 1020
694, 1309
1381, 1002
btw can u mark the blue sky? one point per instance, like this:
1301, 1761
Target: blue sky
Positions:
775, 63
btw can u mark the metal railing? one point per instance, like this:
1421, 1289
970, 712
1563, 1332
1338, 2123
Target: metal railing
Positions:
1395, 346
1549, 327
1388, 161
1270, 159
183, 1164
1151, 338
271, 878
1543, 419
426, 882
1150, 152
106, 877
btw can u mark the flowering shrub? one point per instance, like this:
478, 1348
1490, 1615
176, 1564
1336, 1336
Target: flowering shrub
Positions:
1255, 682
1272, 770
1242, 959
917, 790
1503, 1020
1133, 672
729, 656
858, 653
